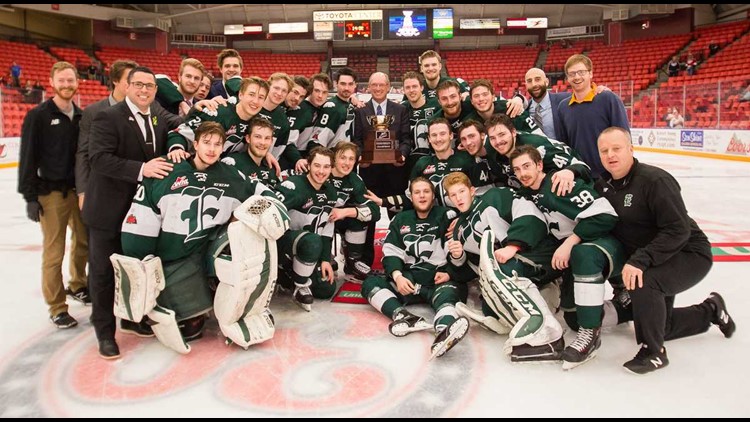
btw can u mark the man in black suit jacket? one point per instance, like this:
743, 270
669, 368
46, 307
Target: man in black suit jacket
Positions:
118, 74
382, 179
125, 146
537, 85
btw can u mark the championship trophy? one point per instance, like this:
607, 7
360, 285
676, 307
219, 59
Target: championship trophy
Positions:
381, 147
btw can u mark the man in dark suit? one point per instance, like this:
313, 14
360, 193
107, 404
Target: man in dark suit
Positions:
118, 75
382, 179
543, 108
125, 146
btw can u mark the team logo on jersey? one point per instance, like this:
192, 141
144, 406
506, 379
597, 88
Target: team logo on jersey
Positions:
231, 131
203, 209
308, 204
428, 113
201, 176
130, 219
628, 200
422, 226
405, 229
288, 184
429, 169
329, 104
180, 182
229, 160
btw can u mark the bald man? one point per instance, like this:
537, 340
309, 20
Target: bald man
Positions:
544, 101
383, 179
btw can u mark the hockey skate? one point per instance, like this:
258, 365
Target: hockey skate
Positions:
484, 321
303, 296
545, 353
449, 337
583, 349
406, 323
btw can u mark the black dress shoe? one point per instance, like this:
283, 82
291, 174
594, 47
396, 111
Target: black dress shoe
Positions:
108, 349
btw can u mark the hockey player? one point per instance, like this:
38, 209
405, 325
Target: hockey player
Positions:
305, 250
431, 65
334, 123
353, 212
519, 247
234, 118
433, 167
416, 272
582, 221
253, 163
558, 159
179, 98
230, 66
279, 86
175, 219
303, 118
420, 111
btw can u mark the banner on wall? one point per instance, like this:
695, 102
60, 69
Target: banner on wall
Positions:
9, 150
723, 142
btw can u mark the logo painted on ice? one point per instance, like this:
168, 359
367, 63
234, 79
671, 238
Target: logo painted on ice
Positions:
277, 378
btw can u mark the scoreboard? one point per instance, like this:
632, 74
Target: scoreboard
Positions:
342, 25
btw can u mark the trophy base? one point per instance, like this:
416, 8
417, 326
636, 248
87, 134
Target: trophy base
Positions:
391, 156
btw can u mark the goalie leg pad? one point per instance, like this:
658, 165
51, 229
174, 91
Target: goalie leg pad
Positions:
166, 330
246, 283
264, 215
137, 285
515, 298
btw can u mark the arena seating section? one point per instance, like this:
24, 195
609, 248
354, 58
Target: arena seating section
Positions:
630, 69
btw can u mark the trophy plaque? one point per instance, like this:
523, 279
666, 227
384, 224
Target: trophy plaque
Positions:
381, 145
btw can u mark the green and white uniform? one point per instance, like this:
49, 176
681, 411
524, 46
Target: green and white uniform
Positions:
599, 255
334, 124
235, 129
308, 241
281, 129
435, 170
415, 246
175, 218
418, 119
262, 173
351, 191
301, 121
555, 156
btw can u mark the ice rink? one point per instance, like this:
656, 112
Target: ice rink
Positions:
341, 361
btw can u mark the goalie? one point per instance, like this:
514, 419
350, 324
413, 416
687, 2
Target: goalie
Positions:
175, 219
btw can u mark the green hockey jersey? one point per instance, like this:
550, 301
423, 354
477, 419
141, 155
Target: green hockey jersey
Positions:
334, 124
235, 128
262, 173
555, 156
351, 191
310, 208
418, 119
417, 244
435, 170
523, 122
513, 220
581, 211
281, 128
176, 216
301, 121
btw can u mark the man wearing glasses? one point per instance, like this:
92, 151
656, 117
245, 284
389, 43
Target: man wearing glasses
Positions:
126, 145
587, 113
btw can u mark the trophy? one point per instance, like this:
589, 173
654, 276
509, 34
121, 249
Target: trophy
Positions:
381, 147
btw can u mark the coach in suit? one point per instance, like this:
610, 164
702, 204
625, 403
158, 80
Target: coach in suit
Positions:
126, 143
384, 179
118, 75
543, 108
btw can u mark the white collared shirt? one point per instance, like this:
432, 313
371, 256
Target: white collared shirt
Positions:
139, 119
